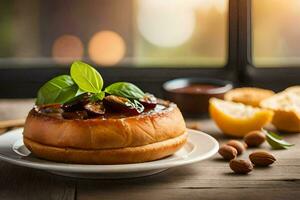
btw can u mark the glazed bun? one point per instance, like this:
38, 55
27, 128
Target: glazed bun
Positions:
110, 140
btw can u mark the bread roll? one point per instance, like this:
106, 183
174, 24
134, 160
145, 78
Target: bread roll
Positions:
139, 138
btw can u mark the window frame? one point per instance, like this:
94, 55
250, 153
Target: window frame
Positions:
276, 78
23, 80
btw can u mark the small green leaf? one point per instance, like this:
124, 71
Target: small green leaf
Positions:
124, 89
79, 94
276, 141
99, 96
58, 90
86, 77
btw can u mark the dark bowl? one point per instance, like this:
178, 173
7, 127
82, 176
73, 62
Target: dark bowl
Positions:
195, 104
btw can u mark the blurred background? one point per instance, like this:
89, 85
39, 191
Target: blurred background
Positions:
111, 32
177, 34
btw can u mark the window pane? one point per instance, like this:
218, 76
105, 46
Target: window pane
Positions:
112, 32
276, 33
182, 32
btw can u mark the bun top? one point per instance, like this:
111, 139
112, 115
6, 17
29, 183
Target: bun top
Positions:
163, 122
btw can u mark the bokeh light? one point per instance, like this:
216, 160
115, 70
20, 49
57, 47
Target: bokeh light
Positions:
167, 23
106, 48
276, 37
67, 48
220, 5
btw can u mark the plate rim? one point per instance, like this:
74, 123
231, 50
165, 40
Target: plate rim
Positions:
119, 168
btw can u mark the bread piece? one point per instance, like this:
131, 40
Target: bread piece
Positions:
112, 139
248, 95
138, 154
295, 90
286, 107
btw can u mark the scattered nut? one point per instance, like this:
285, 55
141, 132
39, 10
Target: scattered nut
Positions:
241, 166
254, 138
262, 158
228, 152
239, 146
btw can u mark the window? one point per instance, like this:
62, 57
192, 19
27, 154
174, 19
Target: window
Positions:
140, 33
147, 42
189, 33
276, 33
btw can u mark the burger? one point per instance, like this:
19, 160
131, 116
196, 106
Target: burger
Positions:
75, 120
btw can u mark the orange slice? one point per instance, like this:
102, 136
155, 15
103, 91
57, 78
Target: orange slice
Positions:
237, 119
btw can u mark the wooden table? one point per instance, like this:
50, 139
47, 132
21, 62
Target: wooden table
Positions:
211, 179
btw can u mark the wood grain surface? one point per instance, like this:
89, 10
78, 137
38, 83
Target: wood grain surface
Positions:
211, 179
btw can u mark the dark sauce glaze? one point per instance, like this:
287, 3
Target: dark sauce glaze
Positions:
56, 111
196, 88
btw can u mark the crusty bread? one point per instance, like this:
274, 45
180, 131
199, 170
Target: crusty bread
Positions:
105, 133
138, 154
48, 136
248, 95
293, 89
286, 107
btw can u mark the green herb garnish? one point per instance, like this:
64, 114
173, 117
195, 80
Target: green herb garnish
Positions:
98, 96
58, 90
84, 79
125, 89
276, 141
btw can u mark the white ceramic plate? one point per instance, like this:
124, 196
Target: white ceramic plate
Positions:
200, 146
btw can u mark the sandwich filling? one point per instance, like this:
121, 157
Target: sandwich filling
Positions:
110, 107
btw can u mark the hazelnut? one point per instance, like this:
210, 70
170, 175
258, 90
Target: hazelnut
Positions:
228, 152
262, 158
241, 166
254, 138
239, 146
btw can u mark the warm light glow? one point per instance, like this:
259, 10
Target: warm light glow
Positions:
106, 48
67, 48
276, 36
219, 5
166, 23
202, 4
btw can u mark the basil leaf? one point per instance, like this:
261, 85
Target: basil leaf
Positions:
124, 89
98, 96
86, 77
79, 94
276, 141
58, 90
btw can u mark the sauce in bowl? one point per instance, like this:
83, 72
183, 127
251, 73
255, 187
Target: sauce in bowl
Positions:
196, 89
192, 94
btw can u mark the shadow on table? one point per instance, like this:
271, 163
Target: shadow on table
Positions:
174, 175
